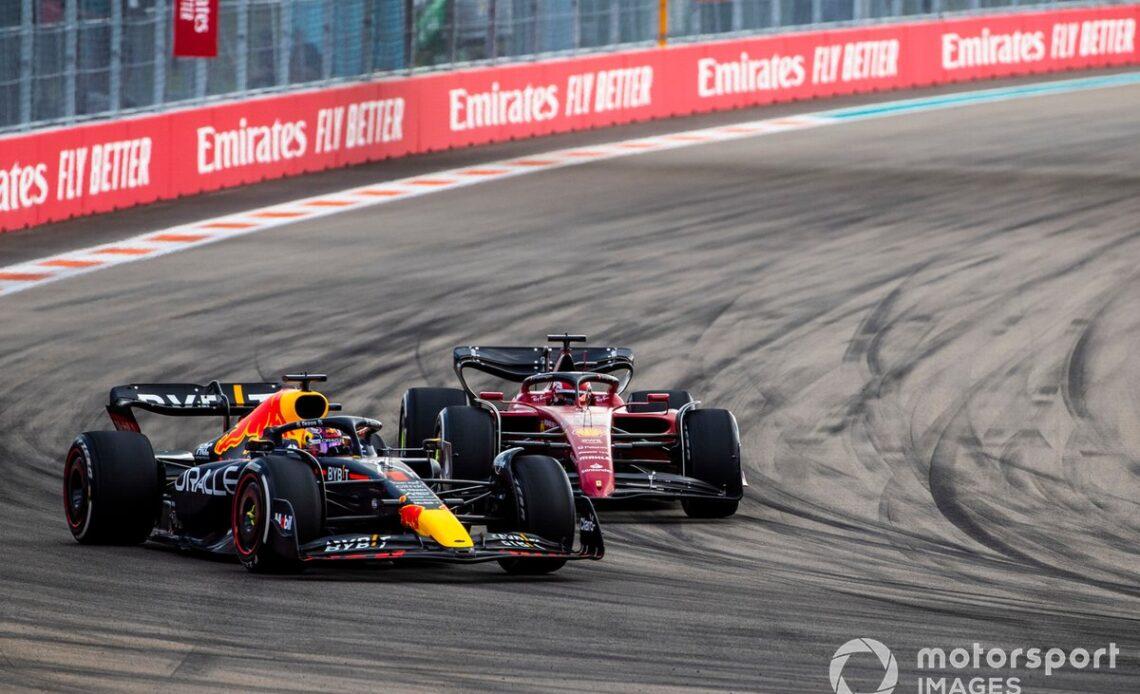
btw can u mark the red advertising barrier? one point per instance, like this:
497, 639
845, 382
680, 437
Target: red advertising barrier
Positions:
56, 174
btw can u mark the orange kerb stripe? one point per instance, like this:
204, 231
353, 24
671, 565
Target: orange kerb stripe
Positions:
63, 262
279, 215
328, 203
484, 172
125, 251
178, 238
431, 182
382, 192
24, 276
228, 225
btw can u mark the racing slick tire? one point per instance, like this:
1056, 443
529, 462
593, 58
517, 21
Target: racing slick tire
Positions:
283, 478
112, 488
677, 399
419, 409
544, 504
471, 433
712, 455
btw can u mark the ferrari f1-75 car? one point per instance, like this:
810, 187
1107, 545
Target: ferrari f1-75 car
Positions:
569, 405
289, 485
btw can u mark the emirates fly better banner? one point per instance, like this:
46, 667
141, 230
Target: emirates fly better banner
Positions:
196, 28
57, 174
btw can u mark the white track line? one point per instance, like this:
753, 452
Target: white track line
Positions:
41, 271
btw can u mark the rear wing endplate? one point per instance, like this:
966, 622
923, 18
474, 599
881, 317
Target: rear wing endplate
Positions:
185, 400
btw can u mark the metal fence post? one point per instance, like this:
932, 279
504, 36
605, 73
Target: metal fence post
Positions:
201, 77
284, 42
27, 51
535, 36
576, 28
492, 48
738, 15
241, 50
453, 39
326, 39
410, 33
816, 11
160, 30
615, 22
776, 17
71, 55
368, 59
115, 85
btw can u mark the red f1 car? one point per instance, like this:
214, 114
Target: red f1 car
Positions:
569, 406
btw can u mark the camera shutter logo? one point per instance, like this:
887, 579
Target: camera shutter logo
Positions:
855, 646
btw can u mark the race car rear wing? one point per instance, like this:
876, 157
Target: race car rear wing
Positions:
517, 363
185, 400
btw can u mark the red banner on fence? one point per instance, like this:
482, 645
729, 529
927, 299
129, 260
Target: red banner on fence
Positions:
57, 174
196, 28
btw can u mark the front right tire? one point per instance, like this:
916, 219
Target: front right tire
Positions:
544, 504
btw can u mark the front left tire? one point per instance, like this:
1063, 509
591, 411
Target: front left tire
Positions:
265, 479
712, 455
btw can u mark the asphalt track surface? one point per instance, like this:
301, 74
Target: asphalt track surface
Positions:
925, 325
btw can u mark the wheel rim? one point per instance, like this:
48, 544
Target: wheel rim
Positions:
248, 517
75, 491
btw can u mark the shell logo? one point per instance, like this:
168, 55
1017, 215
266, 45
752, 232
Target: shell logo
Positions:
589, 431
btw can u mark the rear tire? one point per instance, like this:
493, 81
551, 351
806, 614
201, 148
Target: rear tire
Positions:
284, 478
712, 455
677, 399
112, 488
471, 433
419, 409
544, 503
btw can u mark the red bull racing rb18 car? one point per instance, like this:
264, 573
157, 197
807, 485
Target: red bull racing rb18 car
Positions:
289, 485
657, 444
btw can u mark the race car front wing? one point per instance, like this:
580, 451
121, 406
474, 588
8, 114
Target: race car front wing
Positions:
487, 546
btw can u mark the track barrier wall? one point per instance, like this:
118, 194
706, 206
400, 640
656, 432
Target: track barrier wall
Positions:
56, 174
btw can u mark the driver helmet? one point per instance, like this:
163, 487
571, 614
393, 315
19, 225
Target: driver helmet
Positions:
326, 441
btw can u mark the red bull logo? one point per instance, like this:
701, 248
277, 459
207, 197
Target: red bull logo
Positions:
410, 516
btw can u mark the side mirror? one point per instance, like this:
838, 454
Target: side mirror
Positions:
659, 397
259, 445
491, 395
